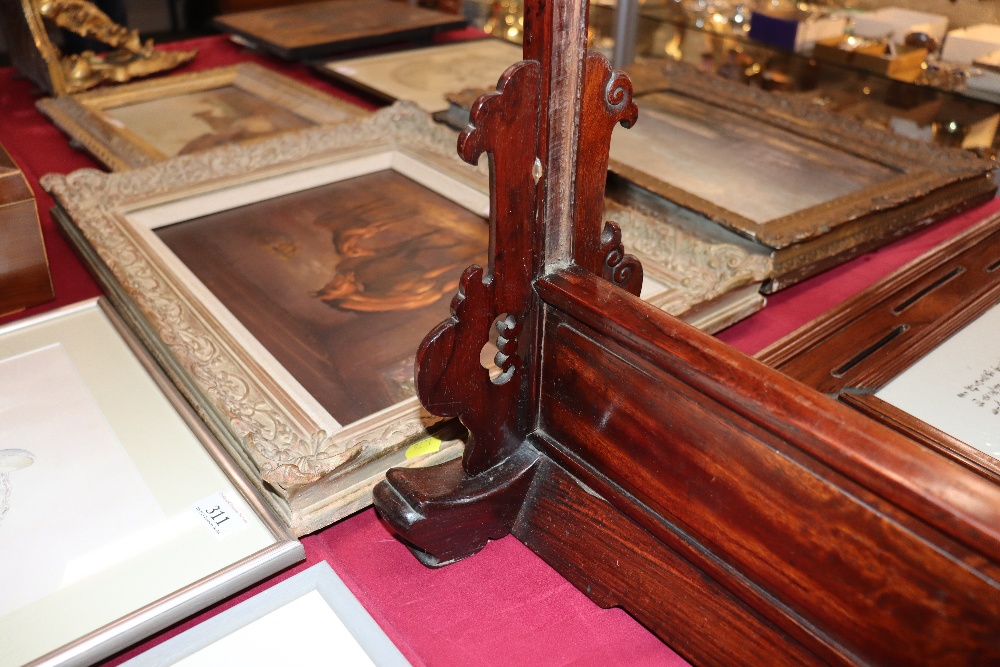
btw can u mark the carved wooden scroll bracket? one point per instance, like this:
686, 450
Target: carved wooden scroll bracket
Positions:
450, 379
563, 101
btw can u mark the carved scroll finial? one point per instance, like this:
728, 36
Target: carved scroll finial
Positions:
450, 379
619, 268
606, 101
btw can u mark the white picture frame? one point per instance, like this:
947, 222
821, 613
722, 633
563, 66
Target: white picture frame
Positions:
330, 625
107, 518
964, 371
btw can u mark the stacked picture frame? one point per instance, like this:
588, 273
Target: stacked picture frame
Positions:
813, 188
123, 126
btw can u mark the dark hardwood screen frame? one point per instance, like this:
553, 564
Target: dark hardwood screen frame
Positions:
858, 347
742, 516
25, 279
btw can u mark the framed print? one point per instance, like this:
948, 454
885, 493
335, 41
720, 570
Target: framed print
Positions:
918, 350
708, 280
120, 513
813, 188
286, 285
329, 625
317, 29
141, 123
426, 76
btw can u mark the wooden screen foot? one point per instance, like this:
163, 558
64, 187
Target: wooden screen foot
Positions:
445, 515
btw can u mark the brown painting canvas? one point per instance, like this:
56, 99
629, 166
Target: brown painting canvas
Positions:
204, 119
340, 283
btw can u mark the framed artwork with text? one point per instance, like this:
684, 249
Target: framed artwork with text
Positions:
917, 350
120, 514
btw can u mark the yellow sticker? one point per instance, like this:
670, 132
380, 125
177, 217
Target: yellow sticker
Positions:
426, 446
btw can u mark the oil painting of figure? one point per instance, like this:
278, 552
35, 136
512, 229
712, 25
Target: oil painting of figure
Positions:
341, 282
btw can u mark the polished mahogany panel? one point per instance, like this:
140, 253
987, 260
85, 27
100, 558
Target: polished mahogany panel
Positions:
747, 469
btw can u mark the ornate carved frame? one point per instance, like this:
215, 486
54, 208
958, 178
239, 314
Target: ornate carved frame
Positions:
35, 56
710, 280
312, 470
83, 117
932, 182
861, 345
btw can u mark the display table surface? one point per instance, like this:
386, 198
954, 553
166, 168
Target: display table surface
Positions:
504, 606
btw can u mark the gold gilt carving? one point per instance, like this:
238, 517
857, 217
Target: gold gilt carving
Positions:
26, 24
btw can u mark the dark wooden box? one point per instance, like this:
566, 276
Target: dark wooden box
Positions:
24, 268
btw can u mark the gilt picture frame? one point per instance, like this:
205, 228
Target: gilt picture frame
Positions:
814, 188
141, 123
879, 350
121, 513
271, 360
311, 467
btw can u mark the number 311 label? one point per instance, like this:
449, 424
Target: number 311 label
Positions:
220, 516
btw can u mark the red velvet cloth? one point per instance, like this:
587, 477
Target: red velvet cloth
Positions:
504, 606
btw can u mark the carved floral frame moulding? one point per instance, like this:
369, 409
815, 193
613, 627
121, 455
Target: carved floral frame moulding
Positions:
311, 471
84, 119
